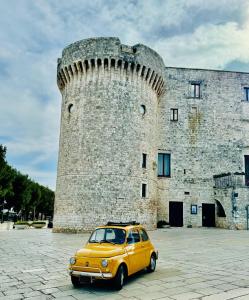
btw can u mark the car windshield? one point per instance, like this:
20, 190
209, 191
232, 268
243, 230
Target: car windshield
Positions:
108, 235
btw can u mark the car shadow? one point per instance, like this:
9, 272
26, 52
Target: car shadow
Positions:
107, 285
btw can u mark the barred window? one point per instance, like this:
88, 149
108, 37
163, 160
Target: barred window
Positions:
173, 114
195, 90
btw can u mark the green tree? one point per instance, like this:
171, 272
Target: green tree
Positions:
6, 175
35, 198
22, 193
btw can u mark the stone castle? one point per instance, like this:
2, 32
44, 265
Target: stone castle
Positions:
141, 141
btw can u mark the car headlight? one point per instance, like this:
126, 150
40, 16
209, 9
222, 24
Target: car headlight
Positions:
72, 260
104, 263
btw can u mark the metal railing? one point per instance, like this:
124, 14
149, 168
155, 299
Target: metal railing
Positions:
230, 180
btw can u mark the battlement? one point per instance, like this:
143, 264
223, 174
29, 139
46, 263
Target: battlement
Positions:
108, 54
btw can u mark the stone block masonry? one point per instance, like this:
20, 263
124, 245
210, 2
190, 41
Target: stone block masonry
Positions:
104, 86
117, 105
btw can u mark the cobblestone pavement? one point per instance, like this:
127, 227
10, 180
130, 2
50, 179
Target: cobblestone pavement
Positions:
208, 264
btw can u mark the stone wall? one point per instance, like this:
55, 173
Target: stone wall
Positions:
104, 133
210, 137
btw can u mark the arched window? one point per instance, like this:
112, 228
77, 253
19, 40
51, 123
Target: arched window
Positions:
142, 109
70, 108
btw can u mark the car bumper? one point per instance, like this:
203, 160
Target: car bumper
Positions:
99, 275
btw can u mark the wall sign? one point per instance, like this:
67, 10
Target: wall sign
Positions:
193, 209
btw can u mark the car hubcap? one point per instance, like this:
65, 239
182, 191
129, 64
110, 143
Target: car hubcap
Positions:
122, 278
153, 263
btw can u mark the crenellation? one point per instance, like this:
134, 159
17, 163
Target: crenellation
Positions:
127, 69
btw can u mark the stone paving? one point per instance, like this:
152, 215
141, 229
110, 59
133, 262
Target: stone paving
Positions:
208, 264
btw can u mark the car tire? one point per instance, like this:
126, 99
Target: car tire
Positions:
152, 266
75, 281
119, 278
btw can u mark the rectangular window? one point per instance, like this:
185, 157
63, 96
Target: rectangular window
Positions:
173, 114
163, 165
247, 170
246, 91
144, 186
195, 90
144, 158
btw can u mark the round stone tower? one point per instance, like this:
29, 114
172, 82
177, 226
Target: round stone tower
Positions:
110, 94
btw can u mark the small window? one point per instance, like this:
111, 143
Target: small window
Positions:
144, 158
195, 90
173, 114
144, 187
133, 237
144, 235
70, 108
164, 164
246, 93
142, 109
246, 159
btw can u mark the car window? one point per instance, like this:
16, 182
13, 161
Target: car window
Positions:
108, 235
133, 237
144, 235
98, 235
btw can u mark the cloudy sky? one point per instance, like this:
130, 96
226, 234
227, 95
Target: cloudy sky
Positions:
187, 33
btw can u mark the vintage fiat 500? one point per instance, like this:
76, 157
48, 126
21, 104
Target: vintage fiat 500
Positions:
113, 251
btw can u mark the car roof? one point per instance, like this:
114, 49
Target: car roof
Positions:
127, 227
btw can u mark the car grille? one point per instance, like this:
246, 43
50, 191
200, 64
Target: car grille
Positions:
86, 264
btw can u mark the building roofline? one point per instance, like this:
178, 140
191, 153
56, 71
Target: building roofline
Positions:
212, 70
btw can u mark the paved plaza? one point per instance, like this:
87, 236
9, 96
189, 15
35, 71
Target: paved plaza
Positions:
208, 264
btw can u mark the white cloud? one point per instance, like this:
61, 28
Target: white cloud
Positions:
196, 33
210, 46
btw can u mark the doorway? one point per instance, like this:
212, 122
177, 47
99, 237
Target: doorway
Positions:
176, 213
208, 215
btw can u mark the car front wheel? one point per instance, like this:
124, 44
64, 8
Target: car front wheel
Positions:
75, 281
152, 265
119, 278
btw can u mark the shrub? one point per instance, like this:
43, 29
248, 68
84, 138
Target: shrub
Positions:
22, 223
39, 222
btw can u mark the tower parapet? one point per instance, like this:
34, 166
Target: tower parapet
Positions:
93, 54
110, 94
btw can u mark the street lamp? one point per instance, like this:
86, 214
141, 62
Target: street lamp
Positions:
4, 202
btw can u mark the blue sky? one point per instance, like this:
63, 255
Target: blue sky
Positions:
187, 33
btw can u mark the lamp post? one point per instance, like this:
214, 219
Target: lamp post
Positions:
4, 202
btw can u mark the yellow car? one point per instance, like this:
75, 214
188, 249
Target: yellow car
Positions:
114, 251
